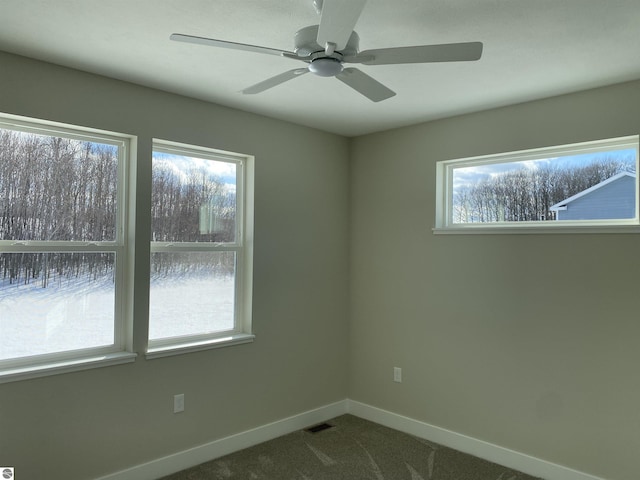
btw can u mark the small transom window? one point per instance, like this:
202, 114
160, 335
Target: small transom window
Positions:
590, 184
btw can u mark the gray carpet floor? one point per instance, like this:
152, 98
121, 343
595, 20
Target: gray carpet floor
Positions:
352, 449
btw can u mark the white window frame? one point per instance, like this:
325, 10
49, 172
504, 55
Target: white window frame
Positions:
121, 351
242, 246
444, 193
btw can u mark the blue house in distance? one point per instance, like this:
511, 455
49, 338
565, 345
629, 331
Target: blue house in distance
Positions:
610, 199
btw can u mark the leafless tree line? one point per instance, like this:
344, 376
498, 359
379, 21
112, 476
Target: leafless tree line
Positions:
54, 188
60, 189
192, 206
527, 194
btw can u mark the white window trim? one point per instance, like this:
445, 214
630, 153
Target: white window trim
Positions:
56, 367
444, 188
243, 246
179, 348
122, 349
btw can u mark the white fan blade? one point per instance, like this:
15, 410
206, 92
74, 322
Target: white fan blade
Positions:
448, 52
337, 21
363, 83
211, 42
274, 81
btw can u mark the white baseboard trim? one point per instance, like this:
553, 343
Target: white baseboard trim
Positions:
224, 446
479, 448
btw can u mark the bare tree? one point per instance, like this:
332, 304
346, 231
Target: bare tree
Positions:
527, 194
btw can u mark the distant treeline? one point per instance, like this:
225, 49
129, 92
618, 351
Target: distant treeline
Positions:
45, 269
192, 206
527, 194
55, 188
59, 189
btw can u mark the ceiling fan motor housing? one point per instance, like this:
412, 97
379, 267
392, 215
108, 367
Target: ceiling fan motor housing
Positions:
306, 43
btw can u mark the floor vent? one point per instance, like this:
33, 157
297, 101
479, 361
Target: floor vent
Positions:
318, 428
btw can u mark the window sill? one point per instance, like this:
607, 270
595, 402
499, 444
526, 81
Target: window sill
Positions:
15, 374
533, 230
196, 346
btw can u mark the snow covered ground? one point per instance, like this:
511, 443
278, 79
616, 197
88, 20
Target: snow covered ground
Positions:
190, 305
78, 313
64, 316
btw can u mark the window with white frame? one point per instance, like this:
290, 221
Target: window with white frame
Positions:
587, 185
200, 268
63, 250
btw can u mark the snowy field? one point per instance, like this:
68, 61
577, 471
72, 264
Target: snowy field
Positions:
190, 305
68, 315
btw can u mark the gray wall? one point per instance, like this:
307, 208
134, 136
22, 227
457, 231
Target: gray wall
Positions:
525, 341
86, 424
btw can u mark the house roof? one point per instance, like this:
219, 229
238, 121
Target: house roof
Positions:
563, 203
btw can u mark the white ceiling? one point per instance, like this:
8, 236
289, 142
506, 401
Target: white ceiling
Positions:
532, 49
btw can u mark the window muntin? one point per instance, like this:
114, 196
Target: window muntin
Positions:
530, 189
198, 286
62, 243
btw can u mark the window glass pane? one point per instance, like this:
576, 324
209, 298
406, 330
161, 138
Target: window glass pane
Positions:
55, 302
54, 188
588, 186
191, 293
193, 199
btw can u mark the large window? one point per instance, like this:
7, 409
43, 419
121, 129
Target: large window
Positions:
67, 240
63, 251
584, 186
200, 278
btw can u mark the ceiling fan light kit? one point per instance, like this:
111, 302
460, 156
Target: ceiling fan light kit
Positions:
326, 67
327, 46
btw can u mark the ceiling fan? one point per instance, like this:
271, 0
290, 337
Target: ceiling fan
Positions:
331, 44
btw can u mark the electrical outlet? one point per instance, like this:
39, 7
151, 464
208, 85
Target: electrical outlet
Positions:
178, 403
397, 374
